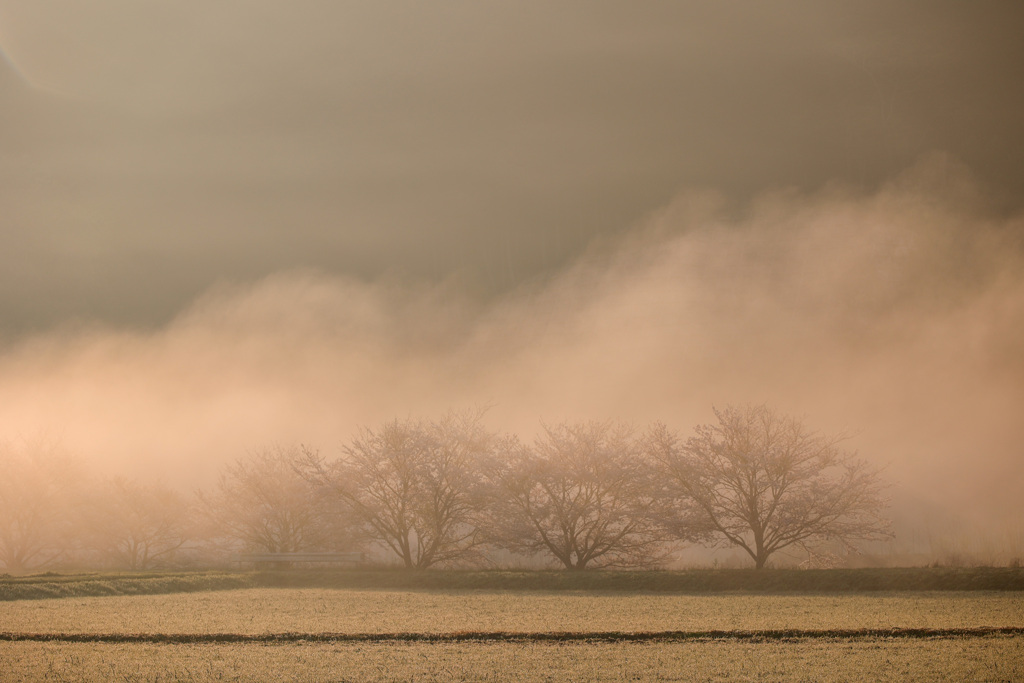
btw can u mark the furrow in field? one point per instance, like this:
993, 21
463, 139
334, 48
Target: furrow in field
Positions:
513, 636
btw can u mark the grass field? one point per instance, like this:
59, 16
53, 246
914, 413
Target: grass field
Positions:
944, 659
315, 610
699, 581
399, 634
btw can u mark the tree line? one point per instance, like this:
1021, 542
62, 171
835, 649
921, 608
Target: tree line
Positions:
450, 492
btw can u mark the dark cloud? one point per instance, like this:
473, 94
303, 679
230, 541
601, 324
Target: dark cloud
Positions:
166, 147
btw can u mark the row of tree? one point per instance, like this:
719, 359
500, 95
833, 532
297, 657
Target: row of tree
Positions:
52, 514
449, 492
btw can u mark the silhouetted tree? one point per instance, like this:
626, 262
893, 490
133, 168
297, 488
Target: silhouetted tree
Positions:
37, 496
763, 482
263, 503
582, 493
415, 486
136, 525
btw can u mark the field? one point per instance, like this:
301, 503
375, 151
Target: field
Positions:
317, 633
697, 581
313, 610
971, 659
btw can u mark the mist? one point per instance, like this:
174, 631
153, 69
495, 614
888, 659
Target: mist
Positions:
894, 315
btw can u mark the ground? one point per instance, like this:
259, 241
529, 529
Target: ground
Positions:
494, 634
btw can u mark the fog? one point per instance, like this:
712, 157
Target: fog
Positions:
233, 226
895, 315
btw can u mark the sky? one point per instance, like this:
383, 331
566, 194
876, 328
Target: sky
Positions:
230, 224
152, 149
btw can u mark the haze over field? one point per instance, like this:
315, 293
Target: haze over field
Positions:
234, 225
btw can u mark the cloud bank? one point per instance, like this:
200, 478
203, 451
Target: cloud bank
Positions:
896, 315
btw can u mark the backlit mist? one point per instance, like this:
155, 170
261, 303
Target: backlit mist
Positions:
236, 226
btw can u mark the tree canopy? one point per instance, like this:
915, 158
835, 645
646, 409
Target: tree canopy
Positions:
580, 493
764, 482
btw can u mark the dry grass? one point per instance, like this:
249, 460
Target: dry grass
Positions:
257, 611
267, 610
693, 581
974, 659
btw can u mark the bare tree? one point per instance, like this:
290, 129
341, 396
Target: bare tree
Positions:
763, 482
582, 494
36, 504
136, 525
261, 502
415, 486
